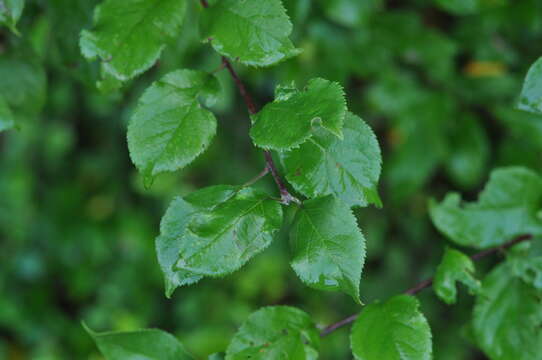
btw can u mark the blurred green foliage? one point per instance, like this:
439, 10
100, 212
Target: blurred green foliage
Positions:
437, 80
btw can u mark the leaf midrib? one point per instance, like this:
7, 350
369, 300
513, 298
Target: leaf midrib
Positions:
226, 229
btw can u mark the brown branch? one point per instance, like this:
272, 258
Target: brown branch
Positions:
262, 173
285, 196
428, 282
242, 89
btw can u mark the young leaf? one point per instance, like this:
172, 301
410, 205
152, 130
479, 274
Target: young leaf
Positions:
10, 13
6, 117
526, 263
290, 120
348, 169
507, 207
214, 232
328, 247
507, 320
129, 35
454, 267
277, 332
531, 94
254, 32
394, 330
148, 344
169, 127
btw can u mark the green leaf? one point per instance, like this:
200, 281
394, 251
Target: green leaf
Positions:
145, 344
252, 31
466, 164
348, 169
459, 7
507, 321
526, 262
454, 267
216, 356
507, 207
22, 85
294, 115
350, 12
328, 247
394, 330
10, 13
524, 126
278, 333
129, 35
531, 94
169, 127
214, 232
6, 117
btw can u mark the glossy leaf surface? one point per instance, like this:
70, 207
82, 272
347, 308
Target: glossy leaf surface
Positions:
526, 262
277, 332
454, 267
214, 232
146, 344
129, 35
507, 320
531, 94
291, 119
394, 330
507, 207
169, 127
328, 247
10, 13
348, 169
252, 31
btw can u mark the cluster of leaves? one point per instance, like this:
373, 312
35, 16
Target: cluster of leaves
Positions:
216, 230
328, 155
510, 294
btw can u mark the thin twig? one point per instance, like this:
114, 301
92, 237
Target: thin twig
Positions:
428, 282
500, 248
419, 286
331, 328
219, 68
242, 89
285, 196
262, 173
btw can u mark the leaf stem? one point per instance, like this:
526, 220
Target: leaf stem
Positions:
242, 89
285, 196
428, 282
262, 173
